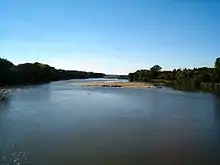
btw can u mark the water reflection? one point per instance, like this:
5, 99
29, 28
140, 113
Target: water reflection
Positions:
217, 109
217, 119
60, 123
4, 102
13, 157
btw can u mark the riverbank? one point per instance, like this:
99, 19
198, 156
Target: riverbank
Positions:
122, 85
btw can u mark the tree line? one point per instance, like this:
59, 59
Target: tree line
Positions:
36, 73
197, 78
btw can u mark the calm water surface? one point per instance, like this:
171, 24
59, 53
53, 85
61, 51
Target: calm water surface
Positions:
63, 123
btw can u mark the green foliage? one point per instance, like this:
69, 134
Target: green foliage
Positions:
156, 68
217, 69
36, 73
6, 68
140, 75
145, 75
217, 63
187, 78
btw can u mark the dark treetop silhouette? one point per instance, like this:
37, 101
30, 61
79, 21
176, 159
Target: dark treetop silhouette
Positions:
36, 73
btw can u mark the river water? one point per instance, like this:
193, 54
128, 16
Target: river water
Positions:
63, 123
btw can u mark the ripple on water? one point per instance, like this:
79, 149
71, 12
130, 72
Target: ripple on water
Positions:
13, 157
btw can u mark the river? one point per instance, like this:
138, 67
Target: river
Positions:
63, 123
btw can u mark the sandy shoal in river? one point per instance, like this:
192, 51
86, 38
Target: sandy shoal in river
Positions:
121, 84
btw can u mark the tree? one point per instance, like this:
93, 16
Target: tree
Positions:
131, 77
35, 73
5, 71
217, 69
155, 71
196, 77
156, 68
217, 63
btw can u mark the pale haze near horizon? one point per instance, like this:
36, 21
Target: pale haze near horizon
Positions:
113, 37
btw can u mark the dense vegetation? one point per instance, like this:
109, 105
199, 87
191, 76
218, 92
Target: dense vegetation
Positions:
197, 78
36, 73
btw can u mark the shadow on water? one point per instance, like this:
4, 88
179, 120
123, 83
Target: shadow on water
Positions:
217, 110
4, 102
191, 88
187, 89
217, 118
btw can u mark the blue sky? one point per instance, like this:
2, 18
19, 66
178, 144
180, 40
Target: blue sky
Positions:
111, 36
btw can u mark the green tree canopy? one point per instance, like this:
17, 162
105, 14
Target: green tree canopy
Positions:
156, 68
35, 73
195, 77
217, 69
217, 63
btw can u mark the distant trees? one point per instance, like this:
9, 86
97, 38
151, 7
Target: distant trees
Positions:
35, 73
217, 69
145, 75
197, 77
6, 68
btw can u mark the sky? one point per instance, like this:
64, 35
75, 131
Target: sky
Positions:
111, 36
